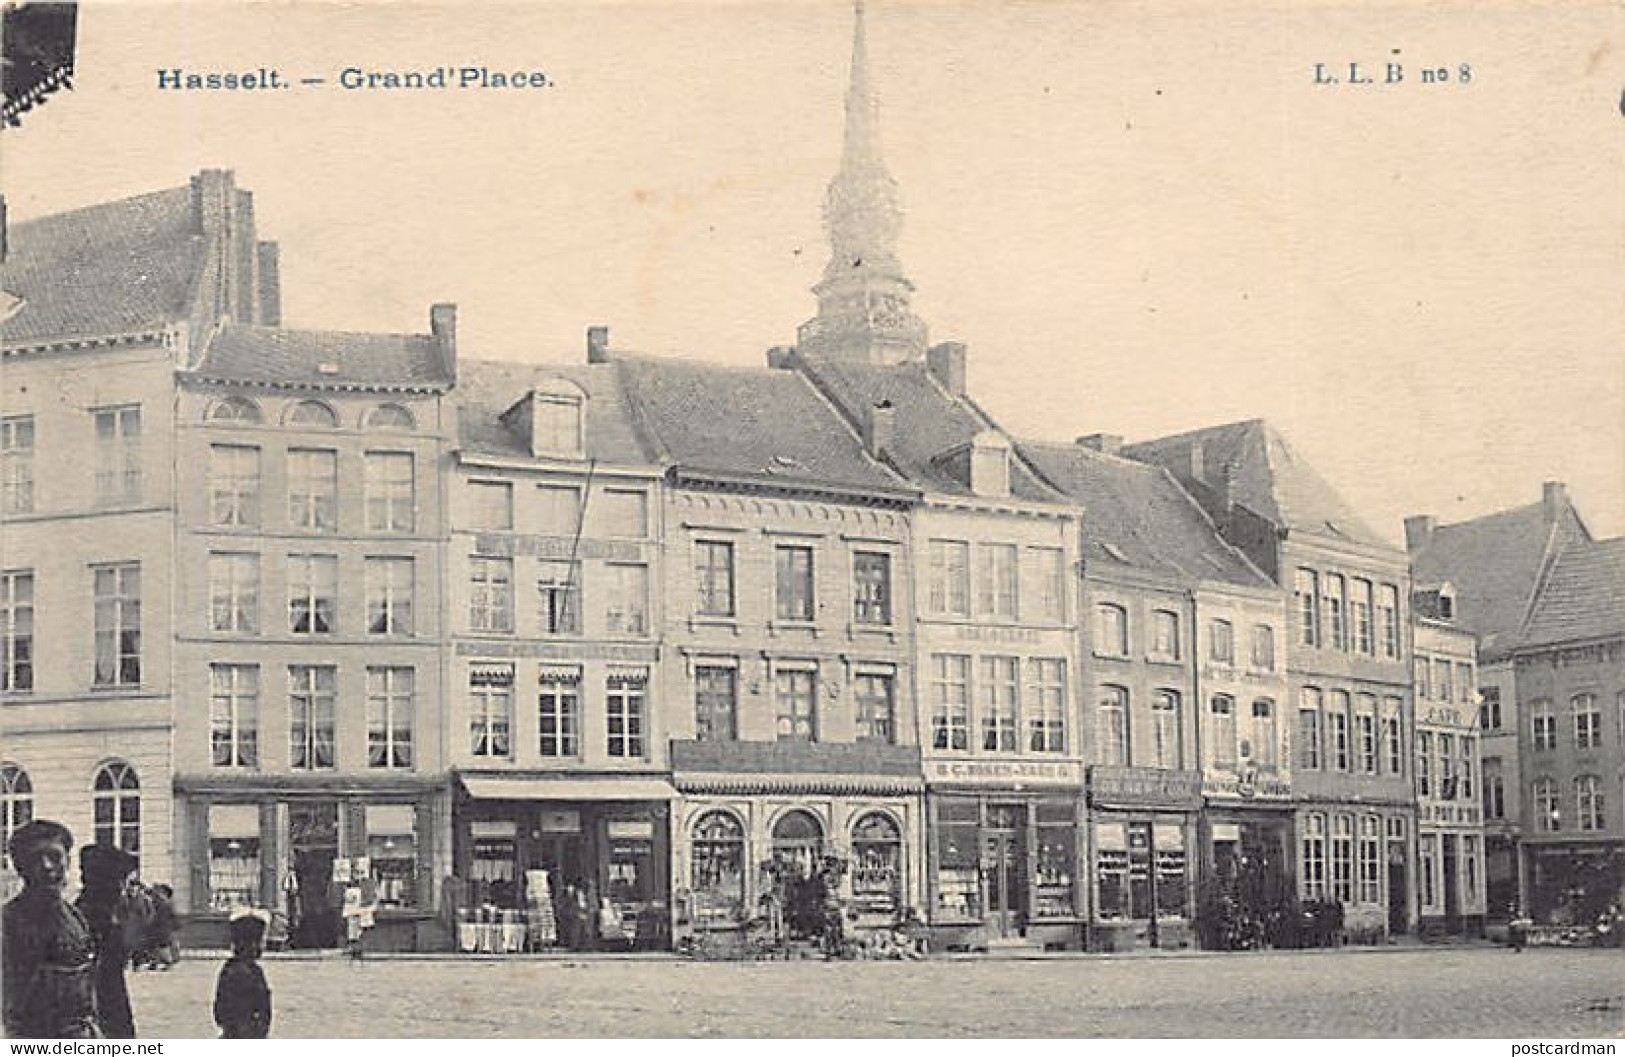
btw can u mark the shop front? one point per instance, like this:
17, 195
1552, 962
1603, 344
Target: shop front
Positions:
1572, 884
1142, 827
1246, 877
571, 863
1006, 865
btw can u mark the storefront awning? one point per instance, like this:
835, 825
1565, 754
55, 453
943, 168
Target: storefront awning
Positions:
487, 787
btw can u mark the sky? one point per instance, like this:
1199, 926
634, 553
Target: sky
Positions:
1141, 218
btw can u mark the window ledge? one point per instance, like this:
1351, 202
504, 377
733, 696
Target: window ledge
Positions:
796, 627
698, 623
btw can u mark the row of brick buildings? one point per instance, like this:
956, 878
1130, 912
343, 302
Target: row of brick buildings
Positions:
291, 598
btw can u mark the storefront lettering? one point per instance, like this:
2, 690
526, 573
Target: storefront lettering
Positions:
1144, 785
982, 633
560, 548
1256, 789
1005, 770
634, 653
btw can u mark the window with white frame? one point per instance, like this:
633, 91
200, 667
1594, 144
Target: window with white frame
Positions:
16, 807
716, 703
1587, 721
17, 464
1165, 752
313, 489
1428, 852
1489, 709
626, 599
234, 593
1393, 736
1543, 724
490, 505
624, 512
17, 631
1263, 647
1469, 751
117, 633
1360, 616
714, 578
1221, 642
1388, 619
795, 692
950, 708
1305, 602
490, 593
871, 588
1447, 765
558, 711
391, 691
118, 455
558, 593
1331, 608
626, 713
1422, 677
872, 693
1165, 635
1443, 685
948, 578
389, 492
1001, 705
1337, 717
1495, 792
1111, 717
234, 711
1588, 804
996, 581
558, 510
557, 422
1046, 577
234, 485
1365, 733
1466, 692
1266, 737
1046, 703
389, 584
1424, 763
1111, 630
1309, 728
793, 598
490, 710
116, 797
312, 717
1370, 859
1313, 852
1221, 710
1343, 858
313, 583
1548, 806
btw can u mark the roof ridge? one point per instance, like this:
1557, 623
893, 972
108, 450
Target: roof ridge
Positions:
17, 225
268, 329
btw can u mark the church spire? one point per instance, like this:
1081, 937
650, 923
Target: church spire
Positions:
863, 300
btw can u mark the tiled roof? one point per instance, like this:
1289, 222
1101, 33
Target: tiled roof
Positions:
488, 388
275, 356
1584, 598
118, 268
1137, 517
1266, 477
929, 422
760, 424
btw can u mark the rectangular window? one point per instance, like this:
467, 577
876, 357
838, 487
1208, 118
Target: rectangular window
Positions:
490, 710
1309, 732
625, 707
715, 704
1428, 851
1388, 619
1305, 595
1469, 867
1337, 715
1111, 630
1221, 710
490, 594
1221, 640
1424, 763
1046, 703
793, 580
1314, 856
714, 578
1543, 725
1469, 749
1266, 739
558, 709
1365, 733
1466, 693
1263, 647
1360, 615
1111, 714
1331, 605
234, 485
118, 455
872, 692
556, 420
234, 593
1165, 730
390, 693
558, 510
996, 581
1587, 721
1422, 677
392, 848
950, 710
491, 505
312, 692
1489, 709
389, 492
1370, 859
1046, 579
1343, 859
626, 599
17, 464
871, 588
1442, 688
624, 513
1494, 790
313, 593
117, 624
948, 582
1165, 635
1001, 708
796, 692
313, 489
558, 589
234, 709
234, 856
1393, 736
389, 595
17, 631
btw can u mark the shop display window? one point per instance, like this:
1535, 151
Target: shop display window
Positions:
877, 864
1056, 863
959, 890
798, 842
234, 856
492, 864
718, 868
1169, 842
393, 852
1111, 872
1139, 871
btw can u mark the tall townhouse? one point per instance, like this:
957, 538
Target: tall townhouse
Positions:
1347, 658
1497, 566
553, 727
995, 602
788, 686
310, 524
1449, 816
100, 305
1183, 694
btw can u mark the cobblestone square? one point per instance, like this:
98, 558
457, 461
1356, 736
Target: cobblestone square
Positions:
1459, 992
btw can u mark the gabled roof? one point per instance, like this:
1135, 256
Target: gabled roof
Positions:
1137, 518
1495, 564
750, 425
930, 422
1267, 477
486, 389
1583, 598
277, 356
114, 269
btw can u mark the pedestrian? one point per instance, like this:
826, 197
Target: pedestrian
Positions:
242, 998
104, 902
162, 951
49, 987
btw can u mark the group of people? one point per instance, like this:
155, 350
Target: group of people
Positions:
64, 962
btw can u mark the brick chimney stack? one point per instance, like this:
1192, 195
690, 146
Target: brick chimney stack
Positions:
1554, 500
443, 325
1105, 443
880, 429
1419, 531
598, 344
946, 362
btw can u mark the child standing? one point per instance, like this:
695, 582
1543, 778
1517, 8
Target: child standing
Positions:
242, 999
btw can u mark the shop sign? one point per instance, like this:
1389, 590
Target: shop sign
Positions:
607, 651
1007, 772
631, 829
560, 548
1447, 717
1248, 786
1149, 786
986, 633
501, 827
558, 820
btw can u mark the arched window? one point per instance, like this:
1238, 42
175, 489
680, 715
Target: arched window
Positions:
877, 864
798, 841
1548, 810
235, 409
1111, 717
388, 418
312, 413
1588, 803
16, 806
117, 794
717, 867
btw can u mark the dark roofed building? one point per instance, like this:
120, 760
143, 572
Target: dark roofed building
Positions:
1583, 600
488, 390
274, 356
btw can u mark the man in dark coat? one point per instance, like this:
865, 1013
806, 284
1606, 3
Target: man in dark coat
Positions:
49, 957
106, 871
242, 998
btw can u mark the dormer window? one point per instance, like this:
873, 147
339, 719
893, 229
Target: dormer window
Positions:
989, 464
554, 416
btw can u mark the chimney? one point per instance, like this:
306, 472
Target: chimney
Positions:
1198, 462
270, 284
1226, 488
598, 344
1106, 443
880, 429
443, 325
781, 357
211, 200
1419, 531
946, 362
4, 231
1554, 499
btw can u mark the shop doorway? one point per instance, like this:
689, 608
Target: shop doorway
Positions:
1398, 910
313, 840
1002, 872
1452, 894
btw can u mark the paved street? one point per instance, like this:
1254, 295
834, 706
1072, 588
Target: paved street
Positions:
1450, 992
